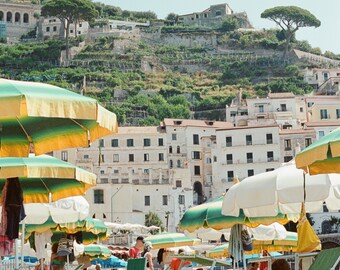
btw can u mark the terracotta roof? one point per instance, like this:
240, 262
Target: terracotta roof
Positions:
195, 123
323, 123
281, 95
248, 127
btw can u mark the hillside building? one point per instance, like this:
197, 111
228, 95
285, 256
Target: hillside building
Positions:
213, 17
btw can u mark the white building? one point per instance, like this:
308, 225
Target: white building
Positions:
242, 152
134, 177
189, 144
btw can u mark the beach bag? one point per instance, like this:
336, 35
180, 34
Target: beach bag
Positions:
65, 247
247, 244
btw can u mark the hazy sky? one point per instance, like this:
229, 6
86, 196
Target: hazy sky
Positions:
327, 36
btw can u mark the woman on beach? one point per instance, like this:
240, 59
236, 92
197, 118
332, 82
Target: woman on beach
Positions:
147, 254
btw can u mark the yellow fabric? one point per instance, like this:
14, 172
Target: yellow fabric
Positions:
303, 160
308, 241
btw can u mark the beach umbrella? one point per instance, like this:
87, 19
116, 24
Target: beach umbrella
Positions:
170, 240
282, 191
111, 262
97, 251
209, 216
91, 229
322, 156
39, 118
45, 178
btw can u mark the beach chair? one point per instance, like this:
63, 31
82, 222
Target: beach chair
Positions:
136, 264
327, 259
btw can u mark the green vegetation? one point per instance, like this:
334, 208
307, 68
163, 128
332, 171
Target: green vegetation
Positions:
290, 19
230, 24
152, 219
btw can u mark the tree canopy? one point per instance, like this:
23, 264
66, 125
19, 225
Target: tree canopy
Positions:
290, 19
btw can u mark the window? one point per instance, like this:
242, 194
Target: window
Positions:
9, 17
174, 136
301, 109
197, 170
160, 142
310, 104
288, 144
80, 25
196, 15
321, 134
47, 29
270, 156
64, 156
178, 149
146, 171
115, 171
229, 158
101, 143
269, 138
26, 19
269, 169
195, 139
170, 149
228, 141
129, 142
147, 142
337, 113
325, 76
179, 165
54, 29
205, 15
208, 160
147, 200
178, 183
102, 172
230, 176
102, 158
171, 164
86, 156
114, 143
218, 13
160, 157
215, 158
308, 142
323, 114
250, 173
115, 158
17, 17
98, 196
165, 199
261, 109
146, 157
283, 107
250, 158
181, 199
131, 158
196, 155
71, 31
287, 158
249, 140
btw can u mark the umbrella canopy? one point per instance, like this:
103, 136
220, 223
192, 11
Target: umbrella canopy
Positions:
169, 240
41, 118
322, 156
97, 251
92, 230
69, 209
43, 176
282, 191
111, 262
209, 216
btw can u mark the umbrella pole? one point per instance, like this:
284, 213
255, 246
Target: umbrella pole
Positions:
244, 262
68, 262
22, 242
16, 258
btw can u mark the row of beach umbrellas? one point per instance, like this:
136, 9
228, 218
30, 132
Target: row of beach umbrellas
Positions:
37, 118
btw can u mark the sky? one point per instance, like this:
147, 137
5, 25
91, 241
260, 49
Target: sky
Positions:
327, 36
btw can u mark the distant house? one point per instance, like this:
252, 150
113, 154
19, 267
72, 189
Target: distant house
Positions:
213, 17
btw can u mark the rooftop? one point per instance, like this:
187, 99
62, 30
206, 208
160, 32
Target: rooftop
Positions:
281, 95
196, 123
138, 130
323, 123
296, 131
249, 127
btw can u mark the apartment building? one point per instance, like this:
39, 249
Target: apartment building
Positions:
242, 152
189, 144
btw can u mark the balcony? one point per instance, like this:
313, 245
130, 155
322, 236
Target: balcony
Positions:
115, 181
104, 180
250, 160
125, 181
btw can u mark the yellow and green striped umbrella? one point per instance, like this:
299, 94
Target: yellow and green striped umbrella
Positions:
322, 156
287, 244
170, 240
97, 251
40, 118
44, 175
92, 230
209, 215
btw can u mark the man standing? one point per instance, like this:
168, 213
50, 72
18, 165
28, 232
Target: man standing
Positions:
135, 251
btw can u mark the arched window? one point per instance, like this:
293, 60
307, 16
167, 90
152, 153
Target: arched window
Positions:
179, 165
178, 150
170, 149
26, 18
198, 192
1, 15
9, 16
17, 17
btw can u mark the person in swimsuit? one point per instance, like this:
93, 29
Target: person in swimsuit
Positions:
147, 254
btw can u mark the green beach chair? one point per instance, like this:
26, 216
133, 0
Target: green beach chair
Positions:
327, 259
136, 264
